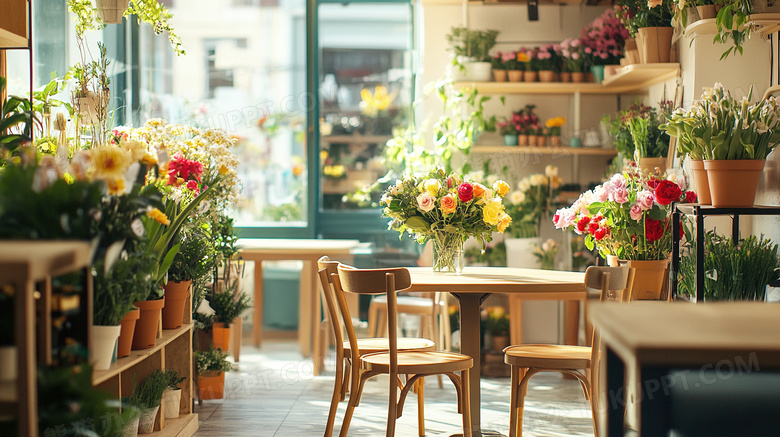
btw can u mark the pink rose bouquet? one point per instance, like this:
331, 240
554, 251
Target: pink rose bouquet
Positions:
628, 216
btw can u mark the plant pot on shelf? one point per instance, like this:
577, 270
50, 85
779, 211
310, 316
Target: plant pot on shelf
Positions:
171, 402
733, 182
555, 141
565, 76
532, 140
656, 44
500, 342
631, 52
146, 327
648, 165
102, 345
546, 76
706, 11
125, 342
515, 75
541, 140
220, 335
700, 182
529, 76
598, 73
648, 278
522, 140
211, 385
176, 296
510, 140
499, 75
8, 356
146, 423
111, 11
578, 77
478, 71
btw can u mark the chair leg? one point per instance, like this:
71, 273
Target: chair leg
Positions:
514, 381
354, 398
336, 398
421, 406
465, 402
392, 406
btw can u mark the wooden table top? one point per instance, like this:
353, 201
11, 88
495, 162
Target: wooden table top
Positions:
498, 280
297, 245
690, 334
45, 257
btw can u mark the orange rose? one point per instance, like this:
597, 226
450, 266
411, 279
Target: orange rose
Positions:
503, 221
448, 204
479, 190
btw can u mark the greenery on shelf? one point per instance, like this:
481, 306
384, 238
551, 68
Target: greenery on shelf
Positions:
472, 44
118, 284
732, 272
16, 123
196, 256
212, 360
173, 379
149, 393
637, 132
228, 304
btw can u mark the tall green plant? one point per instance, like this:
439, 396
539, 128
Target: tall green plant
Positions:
16, 121
472, 44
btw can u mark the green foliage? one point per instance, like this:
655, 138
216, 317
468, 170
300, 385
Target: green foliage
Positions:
225, 237
16, 122
732, 25
149, 393
204, 322
212, 360
196, 256
117, 286
494, 255
637, 131
732, 272
473, 44
173, 378
68, 404
658, 16
228, 304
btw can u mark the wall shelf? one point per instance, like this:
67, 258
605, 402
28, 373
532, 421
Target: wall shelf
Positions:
555, 151
641, 76
765, 24
14, 30
355, 139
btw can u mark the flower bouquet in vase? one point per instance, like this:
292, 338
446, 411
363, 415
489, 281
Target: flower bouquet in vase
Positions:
629, 218
447, 210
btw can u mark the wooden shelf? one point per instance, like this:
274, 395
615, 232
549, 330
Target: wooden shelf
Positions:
765, 24
183, 426
122, 364
641, 76
10, 40
556, 151
355, 139
42, 258
14, 30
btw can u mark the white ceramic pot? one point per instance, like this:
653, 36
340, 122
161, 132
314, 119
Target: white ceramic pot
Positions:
519, 252
479, 71
103, 344
146, 423
171, 400
8, 370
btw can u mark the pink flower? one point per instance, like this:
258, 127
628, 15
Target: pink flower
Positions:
426, 202
636, 212
645, 199
564, 218
575, 56
600, 194
620, 195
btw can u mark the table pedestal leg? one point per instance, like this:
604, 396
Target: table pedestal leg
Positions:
615, 397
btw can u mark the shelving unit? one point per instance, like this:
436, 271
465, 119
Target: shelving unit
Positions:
700, 212
555, 151
764, 24
14, 24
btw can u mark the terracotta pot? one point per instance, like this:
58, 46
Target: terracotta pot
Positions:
515, 75
577, 77
529, 76
176, 295
700, 182
656, 44
546, 76
648, 279
146, 327
590, 77
532, 140
640, 50
220, 335
522, 140
555, 141
733, 182
541, 140
706, 12
565, 76
126, 333
211, 385
499, 75
648, 165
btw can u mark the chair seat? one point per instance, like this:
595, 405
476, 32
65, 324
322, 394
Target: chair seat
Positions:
419, 363
548, 356
373, 345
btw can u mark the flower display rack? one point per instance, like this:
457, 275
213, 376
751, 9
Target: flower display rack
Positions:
700, 212
557, 152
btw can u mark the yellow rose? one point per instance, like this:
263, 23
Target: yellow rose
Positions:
432, 186
501, 187
448, 204
491, 211
503, 221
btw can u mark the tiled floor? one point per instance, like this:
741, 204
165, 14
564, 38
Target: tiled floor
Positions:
272, 393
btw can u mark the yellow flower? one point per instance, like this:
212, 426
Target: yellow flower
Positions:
448, 204
478, 190
115, 186
223, 170
136, 149
522, 57
501, 187
432, 186
159, 216
503, 221
555, 122
379, 101
149, 159
491, 211
110, 161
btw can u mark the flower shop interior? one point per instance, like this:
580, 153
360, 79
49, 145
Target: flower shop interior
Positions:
535, 176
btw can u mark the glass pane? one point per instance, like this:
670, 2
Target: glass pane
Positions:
244, 72
365, 77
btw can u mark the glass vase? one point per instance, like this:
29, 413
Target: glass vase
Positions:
447, 253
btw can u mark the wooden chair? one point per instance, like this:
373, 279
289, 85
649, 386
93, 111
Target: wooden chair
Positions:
614, 283
414, 364
337, 314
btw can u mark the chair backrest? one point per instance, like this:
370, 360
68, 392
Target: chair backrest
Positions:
333, 310
610, 281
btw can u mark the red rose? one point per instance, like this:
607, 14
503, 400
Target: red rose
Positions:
601, 233
654, 230
667, 192
556, 219
593, 227
691, 197
582, 224
465, 192
652, 183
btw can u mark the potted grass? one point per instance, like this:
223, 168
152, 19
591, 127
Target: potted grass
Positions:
472, 51
211, 366
228, 305
171, 398
147, 398
194, 260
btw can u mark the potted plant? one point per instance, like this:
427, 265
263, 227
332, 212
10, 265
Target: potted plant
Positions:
743, 269
528, 58
733, 137
211, 365
204, 325
508, 131
628, 218
514, 68
171, 397
8, 352
652, 26
549, 62
147, 397
546, 254
472, 50
554, 130
16, 121
498, 64
526, 122
637, 134
228, 305
194, 260
572, 58
497, 327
